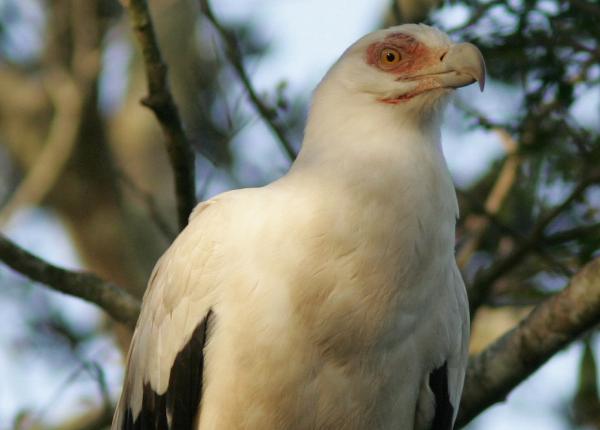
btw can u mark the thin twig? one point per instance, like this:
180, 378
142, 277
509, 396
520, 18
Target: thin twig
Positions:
97, 373
556, 322
538, 248
592, 230
235, 56
481, 286
161, 102
51, 399
152, 207
478, 225
119, 304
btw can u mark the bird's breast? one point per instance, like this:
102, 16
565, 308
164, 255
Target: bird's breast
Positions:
360, 258
323, 306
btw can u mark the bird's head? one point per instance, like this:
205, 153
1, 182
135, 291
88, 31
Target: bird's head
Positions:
410, 68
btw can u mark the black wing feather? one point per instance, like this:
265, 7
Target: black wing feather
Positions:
178, 408
444, 411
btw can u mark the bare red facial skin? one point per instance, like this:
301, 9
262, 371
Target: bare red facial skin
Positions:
415, 55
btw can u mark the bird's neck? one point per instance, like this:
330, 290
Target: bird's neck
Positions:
345, 126
361, 142
368, 158
380, 183
373, 174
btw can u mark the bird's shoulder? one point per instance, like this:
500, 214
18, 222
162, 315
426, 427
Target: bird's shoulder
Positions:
223, 235
181, 291
190, 269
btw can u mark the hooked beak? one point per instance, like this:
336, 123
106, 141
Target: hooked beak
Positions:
462, 65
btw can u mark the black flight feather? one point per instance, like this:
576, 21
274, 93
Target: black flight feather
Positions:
178, 408
444, 412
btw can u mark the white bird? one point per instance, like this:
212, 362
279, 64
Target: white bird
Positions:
329, 299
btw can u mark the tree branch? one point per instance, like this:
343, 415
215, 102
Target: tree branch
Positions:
516, 355
234, 55
116, 302
160, 101
483, 283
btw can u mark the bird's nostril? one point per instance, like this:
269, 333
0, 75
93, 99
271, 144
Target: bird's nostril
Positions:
443, 55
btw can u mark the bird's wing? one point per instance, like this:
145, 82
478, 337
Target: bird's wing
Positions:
446, 329
163, 381
446, 381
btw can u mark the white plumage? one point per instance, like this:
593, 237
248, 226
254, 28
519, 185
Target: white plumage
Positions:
329, 299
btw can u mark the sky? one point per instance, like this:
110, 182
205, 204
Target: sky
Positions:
305, 38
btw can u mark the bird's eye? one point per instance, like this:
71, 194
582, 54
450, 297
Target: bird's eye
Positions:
389, 57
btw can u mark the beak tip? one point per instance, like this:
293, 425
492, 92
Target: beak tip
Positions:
466, 58
483, 73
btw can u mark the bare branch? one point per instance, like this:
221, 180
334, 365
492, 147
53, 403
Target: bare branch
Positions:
116, 302
234, 55
516, 355
160, 101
